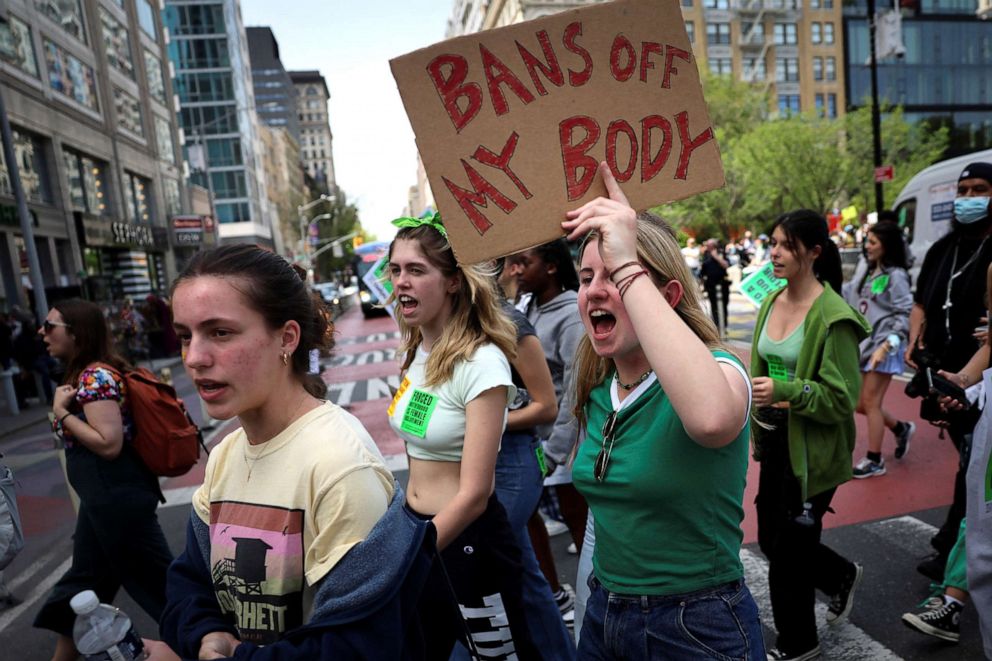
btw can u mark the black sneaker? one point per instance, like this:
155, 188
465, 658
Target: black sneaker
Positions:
938, 619
842, 602
933, 567
775, 654
902, 440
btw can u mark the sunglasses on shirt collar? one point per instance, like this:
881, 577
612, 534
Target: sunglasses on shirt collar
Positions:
609, 437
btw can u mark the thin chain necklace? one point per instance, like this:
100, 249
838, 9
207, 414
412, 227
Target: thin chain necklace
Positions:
638, 381
250, 463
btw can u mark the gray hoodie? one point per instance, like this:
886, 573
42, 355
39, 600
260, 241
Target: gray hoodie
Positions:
559, 328
887, 311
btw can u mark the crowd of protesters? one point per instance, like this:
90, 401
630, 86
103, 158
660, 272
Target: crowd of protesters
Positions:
648, 467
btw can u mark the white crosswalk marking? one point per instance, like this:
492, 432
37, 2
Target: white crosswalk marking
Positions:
840, 643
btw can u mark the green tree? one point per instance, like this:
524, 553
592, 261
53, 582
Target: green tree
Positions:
344, 221
735, 108
908, 147
792, 163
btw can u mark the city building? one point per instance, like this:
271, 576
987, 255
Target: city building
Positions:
285, 183
89, 98
793, 47
943, 78
316, 139
217, 110
275, 94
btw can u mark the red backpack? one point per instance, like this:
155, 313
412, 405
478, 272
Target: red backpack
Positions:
164, 435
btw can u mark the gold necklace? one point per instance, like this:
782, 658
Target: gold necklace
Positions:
268, 449
635, 383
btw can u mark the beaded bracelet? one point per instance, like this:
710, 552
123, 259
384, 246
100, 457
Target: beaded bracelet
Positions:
614, 272
622, 281
629, 281
58, 426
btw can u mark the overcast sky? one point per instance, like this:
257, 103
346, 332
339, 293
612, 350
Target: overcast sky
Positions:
350, 42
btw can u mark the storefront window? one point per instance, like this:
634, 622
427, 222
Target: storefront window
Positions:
31, 166
87, 183
16, 46
116, 43
128, 112
138, 191
163, 135
67, 14
69, 76
153, 72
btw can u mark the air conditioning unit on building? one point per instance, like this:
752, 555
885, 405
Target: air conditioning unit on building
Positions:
984, 9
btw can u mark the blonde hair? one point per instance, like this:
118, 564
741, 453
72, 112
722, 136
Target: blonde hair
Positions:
476, 316
659, 252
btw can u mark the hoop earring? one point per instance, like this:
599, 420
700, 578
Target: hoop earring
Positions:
285, 358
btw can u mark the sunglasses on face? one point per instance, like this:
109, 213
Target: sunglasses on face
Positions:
49, 326
609, 437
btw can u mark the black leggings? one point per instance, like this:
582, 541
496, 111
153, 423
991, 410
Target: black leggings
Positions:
798, 563
114, 545
483, 567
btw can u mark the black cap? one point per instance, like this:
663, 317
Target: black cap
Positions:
977, 171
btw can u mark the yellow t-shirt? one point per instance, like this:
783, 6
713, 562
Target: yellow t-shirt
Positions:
283, 513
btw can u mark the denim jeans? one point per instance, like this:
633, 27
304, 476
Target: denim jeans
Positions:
518, 488
716, 623
583, 573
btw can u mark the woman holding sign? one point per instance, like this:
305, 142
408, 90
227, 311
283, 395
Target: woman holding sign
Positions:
880, 291
663, 471
806, 380
450, 410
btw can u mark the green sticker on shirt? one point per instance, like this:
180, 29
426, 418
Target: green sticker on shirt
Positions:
879, 284
418, 413
776, 368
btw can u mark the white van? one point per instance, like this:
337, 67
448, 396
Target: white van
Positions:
926, 203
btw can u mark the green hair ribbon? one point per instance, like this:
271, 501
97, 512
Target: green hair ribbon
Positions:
434, 220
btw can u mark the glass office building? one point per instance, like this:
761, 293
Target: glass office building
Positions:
945, 77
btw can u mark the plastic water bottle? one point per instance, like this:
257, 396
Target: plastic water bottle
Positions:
102, 632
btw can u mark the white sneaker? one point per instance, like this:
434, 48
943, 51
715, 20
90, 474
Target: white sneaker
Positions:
555, 527
569, 619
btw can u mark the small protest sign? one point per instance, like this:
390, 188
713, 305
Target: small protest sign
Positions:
379, 285
511, 123
757, 286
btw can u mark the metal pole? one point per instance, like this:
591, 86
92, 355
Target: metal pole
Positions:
34, 265
876, 121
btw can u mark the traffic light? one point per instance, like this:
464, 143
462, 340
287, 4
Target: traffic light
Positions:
356, 241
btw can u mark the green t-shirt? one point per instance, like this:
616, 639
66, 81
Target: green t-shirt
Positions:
669, 510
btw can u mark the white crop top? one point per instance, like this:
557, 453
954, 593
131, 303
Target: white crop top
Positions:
431, 420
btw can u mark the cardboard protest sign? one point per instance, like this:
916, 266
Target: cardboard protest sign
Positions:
757, 286
511, 123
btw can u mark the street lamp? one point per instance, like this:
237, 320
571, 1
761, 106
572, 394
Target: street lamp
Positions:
304, 239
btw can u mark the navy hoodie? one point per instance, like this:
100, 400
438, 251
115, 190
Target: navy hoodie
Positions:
364, 608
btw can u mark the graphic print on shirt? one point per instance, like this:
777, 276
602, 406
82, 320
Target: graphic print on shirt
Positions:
256, 558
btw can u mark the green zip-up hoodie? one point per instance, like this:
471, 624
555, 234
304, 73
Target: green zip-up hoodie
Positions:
824, 393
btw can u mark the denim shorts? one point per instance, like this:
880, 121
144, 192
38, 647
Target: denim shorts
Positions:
716, 623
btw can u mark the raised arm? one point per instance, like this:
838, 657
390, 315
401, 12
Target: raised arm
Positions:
686, 369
